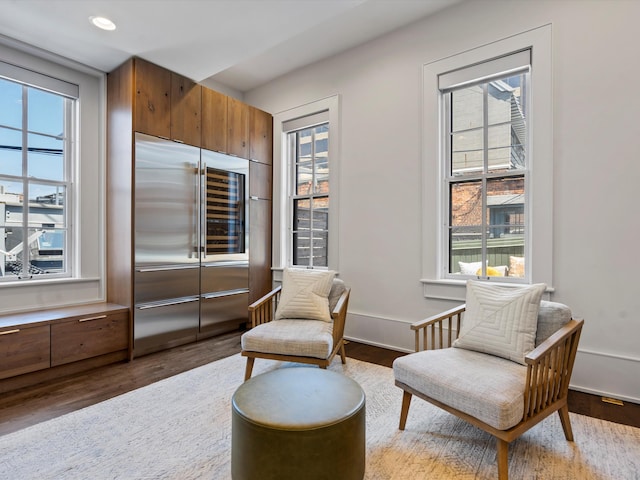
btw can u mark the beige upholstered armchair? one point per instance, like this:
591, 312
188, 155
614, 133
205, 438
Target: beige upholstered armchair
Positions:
291, 339
504, 397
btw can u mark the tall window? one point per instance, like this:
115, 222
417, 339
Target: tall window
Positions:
309, 159
485, 123
36, 150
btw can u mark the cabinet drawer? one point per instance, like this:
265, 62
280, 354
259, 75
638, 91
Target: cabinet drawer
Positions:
24, 350
88, 336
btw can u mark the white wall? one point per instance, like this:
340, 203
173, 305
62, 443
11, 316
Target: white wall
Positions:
596, 170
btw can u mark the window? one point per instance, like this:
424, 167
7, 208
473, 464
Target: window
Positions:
36, 158
309, 158
487, 183
486, 161
306, 188
34, 180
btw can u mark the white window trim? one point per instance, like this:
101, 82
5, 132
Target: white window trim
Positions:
282, 254
541, 161
87, 221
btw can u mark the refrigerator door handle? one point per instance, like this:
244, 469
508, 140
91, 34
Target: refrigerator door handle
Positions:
203, 212
228, 293
167, 303
166, 268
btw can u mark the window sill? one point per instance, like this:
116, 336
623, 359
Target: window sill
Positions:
456, 290
48, 281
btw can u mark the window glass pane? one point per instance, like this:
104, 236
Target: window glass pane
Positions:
46, 159
304, 176
465, 247
10, 104
466, 204
11, 244
46, 250
46, 205
10, 152
467, 152
467, 108
505, 204
45, 112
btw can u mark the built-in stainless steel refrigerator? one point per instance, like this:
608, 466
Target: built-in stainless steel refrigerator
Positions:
191, 243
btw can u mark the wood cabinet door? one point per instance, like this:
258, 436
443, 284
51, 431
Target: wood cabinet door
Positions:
152, 99
214, 120
260, 136
237, 128
260, 180
186, 107
88, 336
23, 350
260, 281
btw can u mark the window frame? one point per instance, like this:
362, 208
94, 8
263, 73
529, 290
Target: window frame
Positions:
70, 97
483, 175
284, 122
540, 182
293, 157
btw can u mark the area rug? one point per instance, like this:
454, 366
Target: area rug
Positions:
180, 428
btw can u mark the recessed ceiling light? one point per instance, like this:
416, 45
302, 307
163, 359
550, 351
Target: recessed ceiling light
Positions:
103, 23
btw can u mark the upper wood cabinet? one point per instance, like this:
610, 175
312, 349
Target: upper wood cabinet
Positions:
214, 120
260, 136
186, 107
153, 99
237, 128
167, 105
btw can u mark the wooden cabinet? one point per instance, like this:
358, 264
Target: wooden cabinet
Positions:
186, 107
167, 105
88, 336
260, 181
260, 136
214, 120
23, 350
152, 99
260, 281
41, 345
237, 128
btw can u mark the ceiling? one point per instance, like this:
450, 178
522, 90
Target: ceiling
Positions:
238, 43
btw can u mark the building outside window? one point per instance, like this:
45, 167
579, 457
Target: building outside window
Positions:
308, 153
37, 126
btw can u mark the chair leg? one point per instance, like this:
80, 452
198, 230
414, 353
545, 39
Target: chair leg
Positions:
502, 457
343, 355
249, 368
566, 423
404, 412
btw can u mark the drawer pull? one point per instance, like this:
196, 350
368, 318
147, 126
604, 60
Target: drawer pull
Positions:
7, 332
88, 319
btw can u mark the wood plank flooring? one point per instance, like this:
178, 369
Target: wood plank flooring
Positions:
28, 406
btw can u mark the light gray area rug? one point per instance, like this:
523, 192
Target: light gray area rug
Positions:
180, 428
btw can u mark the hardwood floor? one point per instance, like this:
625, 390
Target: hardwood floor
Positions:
28, 406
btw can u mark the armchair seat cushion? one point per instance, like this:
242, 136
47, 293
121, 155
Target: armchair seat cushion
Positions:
486, 387
306, 338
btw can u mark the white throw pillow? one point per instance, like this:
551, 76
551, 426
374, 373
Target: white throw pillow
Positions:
500, 320
305, 294
469, 268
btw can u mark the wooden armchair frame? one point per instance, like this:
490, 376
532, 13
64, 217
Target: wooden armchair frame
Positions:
263, 311
549, 368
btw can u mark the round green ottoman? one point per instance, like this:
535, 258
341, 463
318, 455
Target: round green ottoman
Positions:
298, 423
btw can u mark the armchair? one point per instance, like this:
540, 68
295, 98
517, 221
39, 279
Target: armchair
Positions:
500, 396
296, 340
